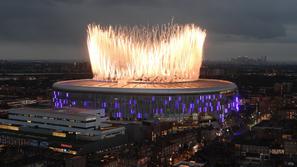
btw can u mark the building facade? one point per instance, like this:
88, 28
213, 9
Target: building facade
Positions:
145, 101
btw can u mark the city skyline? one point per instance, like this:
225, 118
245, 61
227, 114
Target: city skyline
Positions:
126, 83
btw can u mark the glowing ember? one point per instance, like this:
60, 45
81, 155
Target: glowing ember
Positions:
167, 53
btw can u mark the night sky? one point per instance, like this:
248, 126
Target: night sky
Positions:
56, 29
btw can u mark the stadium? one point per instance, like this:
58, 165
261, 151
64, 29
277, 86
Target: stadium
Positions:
137, 101
147, 72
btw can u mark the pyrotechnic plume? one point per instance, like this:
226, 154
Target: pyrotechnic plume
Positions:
166, 53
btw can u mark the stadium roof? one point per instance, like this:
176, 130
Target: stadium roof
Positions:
201, 86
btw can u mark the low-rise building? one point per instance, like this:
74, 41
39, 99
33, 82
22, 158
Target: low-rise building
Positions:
84, 124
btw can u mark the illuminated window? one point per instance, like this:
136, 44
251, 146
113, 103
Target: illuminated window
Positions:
59, 134
9, 127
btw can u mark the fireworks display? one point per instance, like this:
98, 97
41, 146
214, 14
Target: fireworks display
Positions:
166, 53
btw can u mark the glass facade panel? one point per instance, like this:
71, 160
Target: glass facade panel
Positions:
137, 106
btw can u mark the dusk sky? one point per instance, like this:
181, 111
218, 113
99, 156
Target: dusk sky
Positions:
56, 29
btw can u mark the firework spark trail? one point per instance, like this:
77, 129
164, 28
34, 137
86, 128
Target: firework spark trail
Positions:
166, 53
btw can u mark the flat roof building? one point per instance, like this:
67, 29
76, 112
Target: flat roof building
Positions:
84, 124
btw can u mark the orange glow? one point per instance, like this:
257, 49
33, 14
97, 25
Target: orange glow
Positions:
166, 53
59, 134
9, 127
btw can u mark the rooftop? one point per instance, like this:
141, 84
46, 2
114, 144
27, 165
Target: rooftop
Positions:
71, 114
282, 124
200, 86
